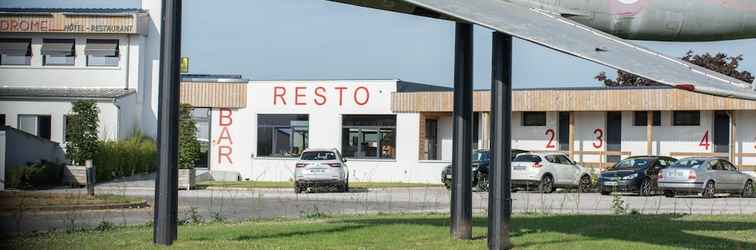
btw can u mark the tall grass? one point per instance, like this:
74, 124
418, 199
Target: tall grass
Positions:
135, 155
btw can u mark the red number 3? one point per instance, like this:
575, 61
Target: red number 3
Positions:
550, 134
599, 143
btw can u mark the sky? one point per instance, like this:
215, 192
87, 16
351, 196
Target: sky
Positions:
317, 39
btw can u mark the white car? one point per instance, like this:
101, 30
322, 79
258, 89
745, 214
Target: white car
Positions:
548, 171
321, 167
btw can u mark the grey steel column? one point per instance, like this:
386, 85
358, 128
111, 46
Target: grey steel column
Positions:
166, 186
500, 172
461, 206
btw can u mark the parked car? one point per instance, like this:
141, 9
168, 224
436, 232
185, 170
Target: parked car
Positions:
321, 167
705, 176
481, 159
548, 171
635, 174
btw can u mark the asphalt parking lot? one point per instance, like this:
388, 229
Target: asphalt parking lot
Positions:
236, 205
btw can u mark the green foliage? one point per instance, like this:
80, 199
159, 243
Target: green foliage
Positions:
81, 132
45, 174
114, 159
618, 205
189, 147
722, 63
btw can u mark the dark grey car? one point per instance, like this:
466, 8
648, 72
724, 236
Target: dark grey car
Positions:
705, 176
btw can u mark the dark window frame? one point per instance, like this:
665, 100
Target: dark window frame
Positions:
2, 120
303, 130
71, 56
640, 118
28, 55
678, 118
108, 63
40, 131
380, 125
541, 119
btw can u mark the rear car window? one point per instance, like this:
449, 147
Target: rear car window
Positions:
527, 158
633, 163
318, 156
689, 163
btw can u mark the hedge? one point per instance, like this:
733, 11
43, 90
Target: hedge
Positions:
125, 158
38, 175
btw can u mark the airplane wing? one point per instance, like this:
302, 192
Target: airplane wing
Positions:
561, 34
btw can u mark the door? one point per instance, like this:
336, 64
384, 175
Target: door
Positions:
572, 170
720, 176
431, 139
563, 173
721, 132
735, 180
613, 135
564, 131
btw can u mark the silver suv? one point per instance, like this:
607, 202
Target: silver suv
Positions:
321, 167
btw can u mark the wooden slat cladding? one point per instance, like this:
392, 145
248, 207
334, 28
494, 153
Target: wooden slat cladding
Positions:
214, 95
135, 23
661, 99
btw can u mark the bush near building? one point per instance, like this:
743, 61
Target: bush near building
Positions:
38, 175
189, 147
81, 132
135, 155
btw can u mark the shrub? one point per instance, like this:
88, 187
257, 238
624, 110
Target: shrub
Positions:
39, 175
189, 147
135, 155
81, 131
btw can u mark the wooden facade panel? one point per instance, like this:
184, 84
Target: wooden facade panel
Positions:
214, 95
661, 99
130, 23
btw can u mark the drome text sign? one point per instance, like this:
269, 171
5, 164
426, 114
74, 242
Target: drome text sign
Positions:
59, 23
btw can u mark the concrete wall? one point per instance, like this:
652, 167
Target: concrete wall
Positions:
534, 137
109, 125
17, 145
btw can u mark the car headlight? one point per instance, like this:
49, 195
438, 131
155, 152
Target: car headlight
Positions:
630, 177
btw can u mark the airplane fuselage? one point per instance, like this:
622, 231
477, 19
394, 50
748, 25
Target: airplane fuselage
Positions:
659, 20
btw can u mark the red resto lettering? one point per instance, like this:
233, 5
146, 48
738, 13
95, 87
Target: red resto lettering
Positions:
367, 96
279, 92
341, 94
320, 92
297, 94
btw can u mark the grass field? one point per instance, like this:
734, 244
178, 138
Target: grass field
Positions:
427, 232
13, 201
290, 185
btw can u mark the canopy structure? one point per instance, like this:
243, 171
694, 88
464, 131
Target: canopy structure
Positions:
564, 35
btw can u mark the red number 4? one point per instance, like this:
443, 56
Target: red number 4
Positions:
705, 141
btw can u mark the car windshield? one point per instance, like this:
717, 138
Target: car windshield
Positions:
689, 163
480, 156
527, 158
633, 163
318, 156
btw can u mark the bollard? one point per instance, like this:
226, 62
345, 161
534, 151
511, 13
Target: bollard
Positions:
91, 180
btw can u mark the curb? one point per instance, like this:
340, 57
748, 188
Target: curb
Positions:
136, 204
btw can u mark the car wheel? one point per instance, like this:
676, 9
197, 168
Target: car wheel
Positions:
483, 183
669, 194
646, 189
709, 190
547, 184
748, 191
297, 188
585, 184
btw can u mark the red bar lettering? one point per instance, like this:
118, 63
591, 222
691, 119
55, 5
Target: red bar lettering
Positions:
225, 117
225, 152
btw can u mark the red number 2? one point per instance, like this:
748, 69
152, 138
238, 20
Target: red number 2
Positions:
599, 143
705, 141
550, 134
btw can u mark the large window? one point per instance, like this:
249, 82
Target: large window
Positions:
38, 125
282, 135
14, 51
686, 118
640, 118
431, 139
2, 119
102, 52
369, 136
59, 51
533, 119
202, 118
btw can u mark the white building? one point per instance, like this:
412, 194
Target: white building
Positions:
51, 57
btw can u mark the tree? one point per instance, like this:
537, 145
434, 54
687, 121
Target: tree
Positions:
720, 62
189, 147
81, 132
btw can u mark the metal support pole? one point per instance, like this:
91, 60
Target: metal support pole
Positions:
166, 187
461, 207
500, 172
91, 177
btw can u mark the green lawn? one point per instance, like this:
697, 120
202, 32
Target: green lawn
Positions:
428, 232
14, 201
285, 184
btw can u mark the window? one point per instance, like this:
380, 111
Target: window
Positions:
59, 51
14, 51
533, 119
201, 117
38, 125
282, 135
318, 156
102, 52
640, 118
369, 136
2, 119
431, 139
686, 118
66, 122
563, 159
527, 158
